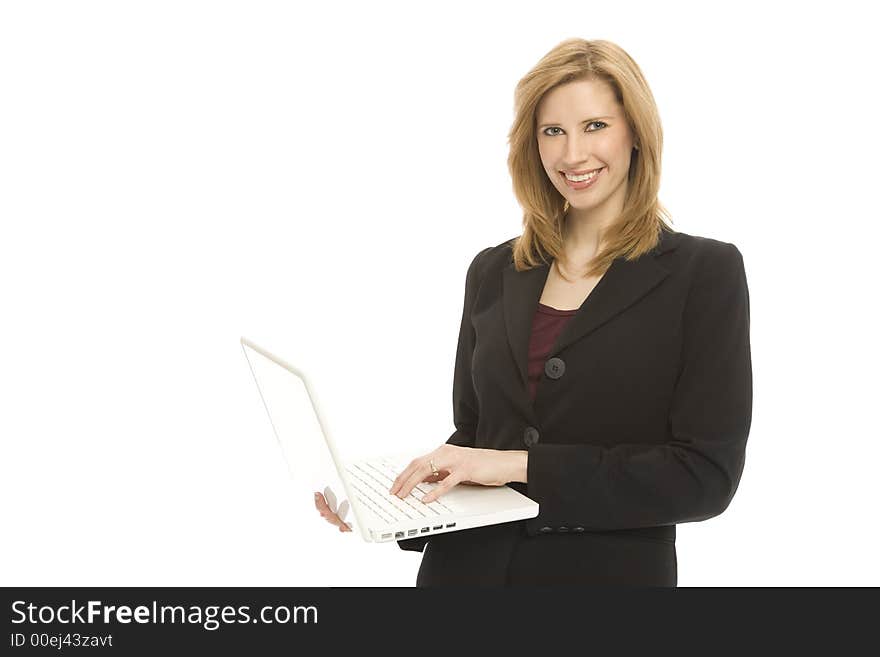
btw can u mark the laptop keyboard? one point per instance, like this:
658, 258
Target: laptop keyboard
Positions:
371, 480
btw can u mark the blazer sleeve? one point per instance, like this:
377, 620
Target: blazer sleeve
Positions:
464, 399
465, 410
693, 476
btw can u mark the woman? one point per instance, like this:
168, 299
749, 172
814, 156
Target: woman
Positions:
603, 365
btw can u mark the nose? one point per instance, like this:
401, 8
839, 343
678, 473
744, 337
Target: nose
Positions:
577, 152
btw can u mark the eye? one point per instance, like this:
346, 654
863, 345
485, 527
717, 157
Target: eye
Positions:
602, 123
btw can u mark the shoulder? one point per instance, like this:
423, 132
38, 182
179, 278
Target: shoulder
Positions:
686, 246
489, 257
707, 256
696, 254
498, 255
713, 273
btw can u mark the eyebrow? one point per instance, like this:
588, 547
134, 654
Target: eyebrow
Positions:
544, 125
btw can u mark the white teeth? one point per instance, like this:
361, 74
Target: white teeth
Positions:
586, 176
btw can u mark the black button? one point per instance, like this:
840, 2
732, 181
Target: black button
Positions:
562, 529
554, 368
530, 436
546, 530
578, 529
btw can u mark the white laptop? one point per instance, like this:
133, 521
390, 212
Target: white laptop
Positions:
292, 405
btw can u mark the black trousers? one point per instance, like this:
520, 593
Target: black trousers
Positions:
503, 555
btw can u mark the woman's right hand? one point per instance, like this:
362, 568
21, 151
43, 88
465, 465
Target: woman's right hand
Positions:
329, 515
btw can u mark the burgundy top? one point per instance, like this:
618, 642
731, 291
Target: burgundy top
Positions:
546, 327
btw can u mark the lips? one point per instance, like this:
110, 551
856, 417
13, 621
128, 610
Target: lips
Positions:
585, 184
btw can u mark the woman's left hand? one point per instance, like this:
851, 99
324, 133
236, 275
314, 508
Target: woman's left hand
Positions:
468, 465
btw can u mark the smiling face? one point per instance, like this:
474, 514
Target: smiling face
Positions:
581, 128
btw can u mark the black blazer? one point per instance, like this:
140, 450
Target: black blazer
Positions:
641, 417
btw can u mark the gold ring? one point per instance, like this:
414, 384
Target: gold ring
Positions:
434, 469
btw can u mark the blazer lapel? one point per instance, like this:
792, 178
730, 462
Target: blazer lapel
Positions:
624, 283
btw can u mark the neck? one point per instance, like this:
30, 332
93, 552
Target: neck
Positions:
580, 241
583, 230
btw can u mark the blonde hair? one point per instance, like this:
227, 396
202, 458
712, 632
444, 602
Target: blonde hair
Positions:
638, 228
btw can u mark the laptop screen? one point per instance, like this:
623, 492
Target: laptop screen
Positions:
295, 424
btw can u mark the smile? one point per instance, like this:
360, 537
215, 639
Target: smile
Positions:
582, 182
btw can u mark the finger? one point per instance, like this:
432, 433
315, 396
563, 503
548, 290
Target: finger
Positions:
418, 476
331, 498
433, 479
322, 505
343, 510
324, 509
402, 477
442, 488
414, 466
407, 473
332, 518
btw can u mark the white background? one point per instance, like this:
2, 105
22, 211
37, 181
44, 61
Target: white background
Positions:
174, 175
